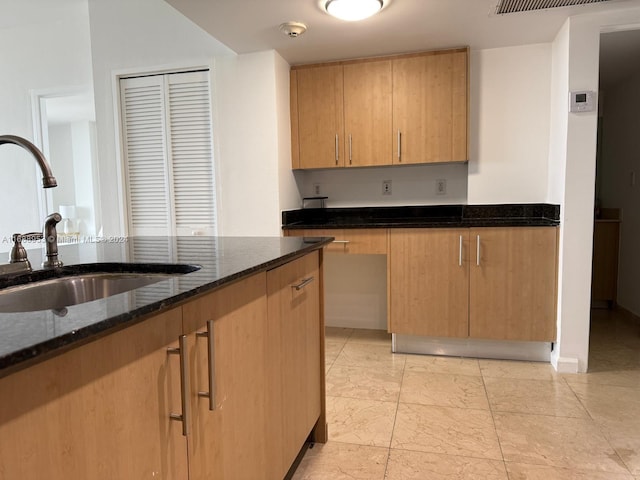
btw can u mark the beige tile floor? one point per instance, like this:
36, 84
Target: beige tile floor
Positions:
421, 417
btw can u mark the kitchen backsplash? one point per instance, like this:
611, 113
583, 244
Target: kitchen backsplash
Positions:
410, 185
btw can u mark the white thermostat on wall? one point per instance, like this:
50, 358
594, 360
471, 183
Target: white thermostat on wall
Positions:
582, 101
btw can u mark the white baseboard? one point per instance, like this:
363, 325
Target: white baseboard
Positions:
565, 364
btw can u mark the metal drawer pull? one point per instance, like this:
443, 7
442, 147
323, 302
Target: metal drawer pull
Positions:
478, 250
184, 384
341, 241
304, 283
460, 253
211, 394
350, 149
399, 146
337, 154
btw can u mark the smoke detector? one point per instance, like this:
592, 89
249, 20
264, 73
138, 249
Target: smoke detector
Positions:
293, 29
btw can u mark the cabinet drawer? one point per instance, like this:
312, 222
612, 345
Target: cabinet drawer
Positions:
349, 240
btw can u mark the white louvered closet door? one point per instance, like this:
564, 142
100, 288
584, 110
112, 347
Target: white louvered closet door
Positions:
170, 176
145, 151
191, 153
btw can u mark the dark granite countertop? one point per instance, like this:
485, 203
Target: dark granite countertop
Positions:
428, 216
30, 337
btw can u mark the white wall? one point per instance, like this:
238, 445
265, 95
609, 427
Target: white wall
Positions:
249, 109
290, 195
256, 182
47, 47
509, 124
410, 185
621, 159
572, 348
135, 35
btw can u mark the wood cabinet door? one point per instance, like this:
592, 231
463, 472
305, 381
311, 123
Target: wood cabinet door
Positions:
295, 363
428, 282
430, 108
367, 113
320, 127
513, 283
230, 441
98, 411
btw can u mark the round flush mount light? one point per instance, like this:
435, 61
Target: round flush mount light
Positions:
353, 10
293, 29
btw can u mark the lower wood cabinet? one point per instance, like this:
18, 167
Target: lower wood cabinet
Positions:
486, 283
228, 404
295, 360
428, 282
512, 294
240, 370
100, 411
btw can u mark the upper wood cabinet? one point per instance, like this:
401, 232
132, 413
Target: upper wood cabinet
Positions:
403, 109
430, 108
317, 117
367, 113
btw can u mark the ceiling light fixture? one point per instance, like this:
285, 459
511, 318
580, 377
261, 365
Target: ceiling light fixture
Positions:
353, 10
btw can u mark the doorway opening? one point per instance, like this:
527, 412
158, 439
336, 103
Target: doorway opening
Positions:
615, 313
65, 130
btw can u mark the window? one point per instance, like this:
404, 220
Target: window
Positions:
168, 154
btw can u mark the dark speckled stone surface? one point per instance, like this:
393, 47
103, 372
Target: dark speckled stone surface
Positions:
30, 337
429, 216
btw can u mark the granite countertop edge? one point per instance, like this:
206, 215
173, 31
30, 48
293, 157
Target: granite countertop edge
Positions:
425, 216
26, 357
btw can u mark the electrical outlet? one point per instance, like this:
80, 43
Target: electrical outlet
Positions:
316, 189
386, 187
441, 186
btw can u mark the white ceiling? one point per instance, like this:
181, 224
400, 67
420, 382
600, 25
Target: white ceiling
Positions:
403, 26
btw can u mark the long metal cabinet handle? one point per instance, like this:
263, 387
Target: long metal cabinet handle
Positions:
478, 250
341, 241
211, 394
304, 283
399, 146
460, 253
184, 384
337, 147
350, 149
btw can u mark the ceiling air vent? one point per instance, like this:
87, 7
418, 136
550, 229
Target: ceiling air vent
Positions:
515, 6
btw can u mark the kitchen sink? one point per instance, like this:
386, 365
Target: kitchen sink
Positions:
81, 284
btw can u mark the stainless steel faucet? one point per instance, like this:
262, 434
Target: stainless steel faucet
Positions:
48, 180
18, 260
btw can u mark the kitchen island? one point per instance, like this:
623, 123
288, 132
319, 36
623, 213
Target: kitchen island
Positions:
218, 373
